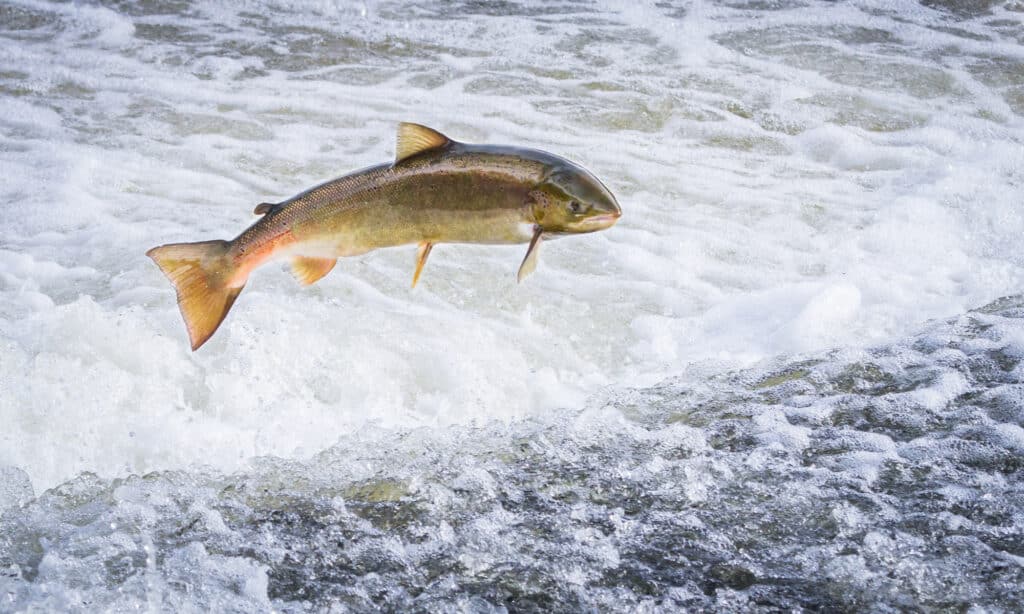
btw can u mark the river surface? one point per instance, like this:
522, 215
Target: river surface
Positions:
789, 378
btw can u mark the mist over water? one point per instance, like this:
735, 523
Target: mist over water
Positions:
786, 378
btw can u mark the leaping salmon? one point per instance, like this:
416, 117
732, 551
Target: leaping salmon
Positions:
436, 191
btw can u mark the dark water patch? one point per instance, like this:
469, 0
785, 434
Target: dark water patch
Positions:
890, 478
963, 9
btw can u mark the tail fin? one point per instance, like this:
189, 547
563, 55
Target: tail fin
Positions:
200, 273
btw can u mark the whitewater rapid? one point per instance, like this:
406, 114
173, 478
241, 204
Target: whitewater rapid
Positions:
792, 180
796, 178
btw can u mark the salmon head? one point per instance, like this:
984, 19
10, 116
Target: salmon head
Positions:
570, 200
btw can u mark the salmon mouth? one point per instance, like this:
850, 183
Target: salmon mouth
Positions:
600, 222
590, 224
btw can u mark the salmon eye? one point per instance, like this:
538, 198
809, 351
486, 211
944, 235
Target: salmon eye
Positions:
575, 207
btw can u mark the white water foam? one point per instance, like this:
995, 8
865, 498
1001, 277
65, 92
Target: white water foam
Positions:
791, 180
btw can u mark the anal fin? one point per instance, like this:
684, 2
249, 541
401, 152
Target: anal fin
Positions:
421, 259
310, 270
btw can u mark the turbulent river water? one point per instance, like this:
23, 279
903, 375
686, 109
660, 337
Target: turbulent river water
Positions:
789, 378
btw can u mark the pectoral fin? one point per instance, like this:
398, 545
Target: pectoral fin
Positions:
530, 261
421, 259
309, 270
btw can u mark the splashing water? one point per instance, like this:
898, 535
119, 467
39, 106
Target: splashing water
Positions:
732, 400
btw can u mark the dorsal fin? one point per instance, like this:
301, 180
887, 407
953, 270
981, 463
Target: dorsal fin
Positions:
414, 138
264, 208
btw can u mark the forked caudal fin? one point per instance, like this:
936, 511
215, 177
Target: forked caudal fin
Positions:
200, 273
